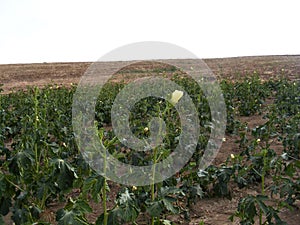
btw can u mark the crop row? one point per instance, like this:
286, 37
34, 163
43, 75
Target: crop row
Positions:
40, 161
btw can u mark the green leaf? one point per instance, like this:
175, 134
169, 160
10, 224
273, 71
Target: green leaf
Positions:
93, 185
231, 218
164, 191
21, 161
196, 190
262, 197
241, 181
168, 203
155, 208
127, 210
128, 214
5, 204
65, 217
111, 220
20, 216
83, 206
43, 188
297, 163
247, 207
263, 206
35, 212
250, 209
63, 173
290, 170
1, 220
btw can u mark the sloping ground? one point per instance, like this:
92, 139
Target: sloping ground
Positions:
15, 76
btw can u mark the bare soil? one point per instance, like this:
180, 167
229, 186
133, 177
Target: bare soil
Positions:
16, 76
213, 211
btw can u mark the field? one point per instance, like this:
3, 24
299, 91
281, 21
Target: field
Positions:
253, 180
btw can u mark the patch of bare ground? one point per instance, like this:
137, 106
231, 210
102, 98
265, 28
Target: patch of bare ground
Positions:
18, 76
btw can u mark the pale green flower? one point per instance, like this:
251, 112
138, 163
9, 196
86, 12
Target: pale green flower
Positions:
176, 96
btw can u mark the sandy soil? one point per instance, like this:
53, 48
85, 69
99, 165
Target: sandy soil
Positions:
16, 76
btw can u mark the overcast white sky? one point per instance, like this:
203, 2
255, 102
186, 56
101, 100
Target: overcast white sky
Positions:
63, 30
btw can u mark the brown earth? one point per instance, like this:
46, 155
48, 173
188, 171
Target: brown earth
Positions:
214, 211
15, 76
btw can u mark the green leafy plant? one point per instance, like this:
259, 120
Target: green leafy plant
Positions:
40, 162
252, 206
125, 210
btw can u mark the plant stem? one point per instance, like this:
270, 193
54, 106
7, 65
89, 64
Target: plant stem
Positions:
16, 186
153, 183
260, 217
264, 171
104, 203
104, 193
155, 160
35, 129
